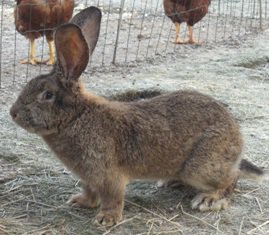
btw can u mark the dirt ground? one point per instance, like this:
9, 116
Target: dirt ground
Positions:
34, 185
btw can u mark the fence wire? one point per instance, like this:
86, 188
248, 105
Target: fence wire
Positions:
134, 30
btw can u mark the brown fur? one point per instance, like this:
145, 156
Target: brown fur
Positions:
184, 135
190, 11
135, 95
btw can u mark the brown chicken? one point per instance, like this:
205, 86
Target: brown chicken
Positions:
35, 18
189, 11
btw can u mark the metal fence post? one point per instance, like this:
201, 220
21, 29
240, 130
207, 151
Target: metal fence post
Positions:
118, 31
260, 1
1, 41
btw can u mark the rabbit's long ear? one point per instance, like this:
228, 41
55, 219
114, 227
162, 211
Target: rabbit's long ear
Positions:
89, 21
72, 51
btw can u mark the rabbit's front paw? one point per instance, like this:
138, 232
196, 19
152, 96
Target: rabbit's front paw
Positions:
83, 200
207, 201
108, 218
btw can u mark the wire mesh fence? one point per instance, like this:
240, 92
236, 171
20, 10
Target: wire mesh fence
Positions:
133, 30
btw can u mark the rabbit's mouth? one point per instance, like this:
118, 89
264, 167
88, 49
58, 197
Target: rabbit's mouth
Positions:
29, 121
32, 127
29, 124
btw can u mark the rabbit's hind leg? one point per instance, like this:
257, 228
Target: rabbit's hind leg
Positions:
213, 168
214, 201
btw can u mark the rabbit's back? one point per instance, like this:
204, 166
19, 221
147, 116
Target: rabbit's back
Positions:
159, 134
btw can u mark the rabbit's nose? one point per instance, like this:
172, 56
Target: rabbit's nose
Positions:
13, 112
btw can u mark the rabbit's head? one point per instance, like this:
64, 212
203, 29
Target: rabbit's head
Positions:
50, 101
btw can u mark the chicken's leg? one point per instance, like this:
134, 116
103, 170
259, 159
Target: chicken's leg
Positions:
178, 39
32, 57
190, 34
51, 59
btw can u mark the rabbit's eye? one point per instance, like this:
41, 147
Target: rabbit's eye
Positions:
48, 95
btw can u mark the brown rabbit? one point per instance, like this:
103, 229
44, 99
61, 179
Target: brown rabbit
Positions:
184, 135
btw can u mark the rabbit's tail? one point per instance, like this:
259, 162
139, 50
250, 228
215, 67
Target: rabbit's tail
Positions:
250, 171
134, 95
